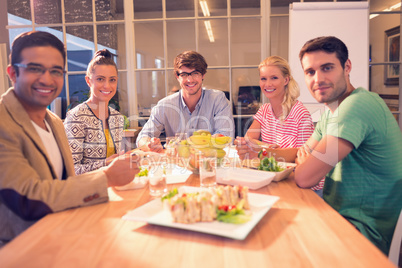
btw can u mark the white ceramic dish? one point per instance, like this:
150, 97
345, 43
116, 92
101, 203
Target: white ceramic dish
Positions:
289, 167
153, 213
254, 164
253, 179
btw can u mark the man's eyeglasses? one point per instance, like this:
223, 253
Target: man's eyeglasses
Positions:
38, 69
194, 74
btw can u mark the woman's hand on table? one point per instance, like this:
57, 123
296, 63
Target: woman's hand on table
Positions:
246, 148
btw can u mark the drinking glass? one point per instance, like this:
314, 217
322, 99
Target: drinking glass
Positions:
157, 177
208, 165
181, 136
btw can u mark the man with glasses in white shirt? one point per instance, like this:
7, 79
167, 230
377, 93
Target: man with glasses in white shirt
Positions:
37, 172
192, 108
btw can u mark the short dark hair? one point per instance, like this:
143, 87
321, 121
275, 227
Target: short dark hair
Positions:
192, 60
101, 57
34, 39
328, 44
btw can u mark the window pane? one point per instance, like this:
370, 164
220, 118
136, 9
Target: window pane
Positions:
249, 7
217, 79
179, 8
246, 91
56, 31
177, 41
149, 43
242, 124
122, 93
246, 42
280, 9
147, 9
109, 10
13, 33
78, 10
79, 90
280, 36
283, 5
150, 89
173, 84
214, 50
47, 11
115, 42
212, 7
19, 12
80, 47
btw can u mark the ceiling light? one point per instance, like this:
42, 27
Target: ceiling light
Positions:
209, 31
396, 6
204, 8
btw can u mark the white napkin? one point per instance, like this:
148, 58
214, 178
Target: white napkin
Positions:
138, 182
178, 175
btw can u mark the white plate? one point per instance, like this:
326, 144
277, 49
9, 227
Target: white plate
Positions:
253, 179
153, 213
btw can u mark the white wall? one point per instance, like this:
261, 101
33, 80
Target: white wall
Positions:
346, 20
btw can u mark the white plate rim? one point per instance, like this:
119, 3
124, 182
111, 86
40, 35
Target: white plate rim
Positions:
153, 213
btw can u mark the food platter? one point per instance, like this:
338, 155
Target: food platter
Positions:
153, 213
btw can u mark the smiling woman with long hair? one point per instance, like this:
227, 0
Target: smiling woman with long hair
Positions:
94, 129
282, 125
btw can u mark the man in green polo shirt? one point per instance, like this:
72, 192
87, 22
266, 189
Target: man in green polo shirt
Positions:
357, 145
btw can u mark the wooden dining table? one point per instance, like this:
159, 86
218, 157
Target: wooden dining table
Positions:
300, 230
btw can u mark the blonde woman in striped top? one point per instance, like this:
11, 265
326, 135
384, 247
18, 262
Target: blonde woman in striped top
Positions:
281, 126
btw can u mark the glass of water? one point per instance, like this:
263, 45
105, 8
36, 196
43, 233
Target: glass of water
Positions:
157, 178
208, 165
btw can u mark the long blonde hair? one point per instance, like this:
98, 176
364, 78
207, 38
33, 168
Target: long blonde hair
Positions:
292, 91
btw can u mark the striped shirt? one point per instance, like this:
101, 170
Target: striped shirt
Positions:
293, 132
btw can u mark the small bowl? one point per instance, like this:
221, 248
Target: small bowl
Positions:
281, 175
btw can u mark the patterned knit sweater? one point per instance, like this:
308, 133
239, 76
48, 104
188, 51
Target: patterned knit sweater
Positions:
87, 139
